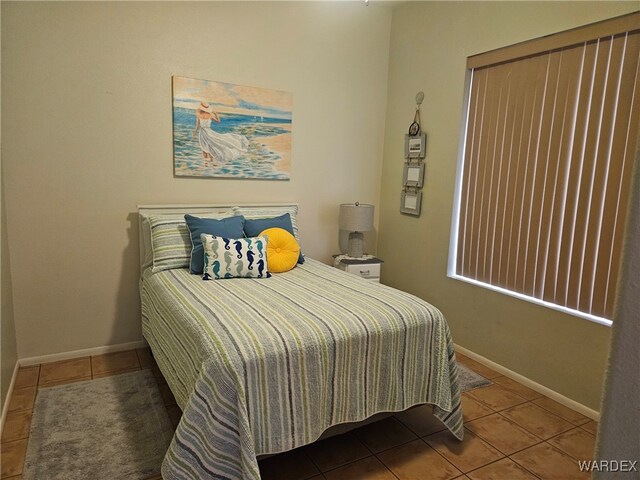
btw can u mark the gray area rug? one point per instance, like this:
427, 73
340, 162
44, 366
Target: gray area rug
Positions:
468, 379
110, 428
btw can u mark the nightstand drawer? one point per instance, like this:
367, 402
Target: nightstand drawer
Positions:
369, 270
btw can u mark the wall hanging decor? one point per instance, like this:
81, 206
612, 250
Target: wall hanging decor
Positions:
415, 142
410, 201
223, 130
415, 148
413, 175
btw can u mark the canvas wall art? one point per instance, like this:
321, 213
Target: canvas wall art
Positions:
232, 131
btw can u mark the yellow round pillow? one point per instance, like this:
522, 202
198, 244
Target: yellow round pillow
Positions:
282, 250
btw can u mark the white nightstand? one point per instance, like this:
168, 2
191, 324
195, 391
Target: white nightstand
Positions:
367, 268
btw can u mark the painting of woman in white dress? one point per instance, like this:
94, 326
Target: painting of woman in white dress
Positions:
217, 147
226, 130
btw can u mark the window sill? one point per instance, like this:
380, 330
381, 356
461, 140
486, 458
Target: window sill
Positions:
526, 298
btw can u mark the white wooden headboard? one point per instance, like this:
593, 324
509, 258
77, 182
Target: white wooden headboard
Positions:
195, 209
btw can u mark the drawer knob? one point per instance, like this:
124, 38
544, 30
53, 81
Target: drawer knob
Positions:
364, 272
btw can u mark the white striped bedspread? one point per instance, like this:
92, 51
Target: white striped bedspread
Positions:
262, 366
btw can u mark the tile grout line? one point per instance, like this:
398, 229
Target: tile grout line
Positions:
525, 448
493, 412
22, 410
312, 462
417, 434
492, 408
428, 446
540, 440
441, 456
575, 427
391, 448
506, 457
562, 451
371, 454
521, 426
537, 435
387, 466
487, 442
587, 419
138, 357
525, 468
38, 378
582, 427
388, 469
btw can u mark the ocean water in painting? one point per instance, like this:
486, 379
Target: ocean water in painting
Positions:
264, 158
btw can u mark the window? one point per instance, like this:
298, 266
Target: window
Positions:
545, 167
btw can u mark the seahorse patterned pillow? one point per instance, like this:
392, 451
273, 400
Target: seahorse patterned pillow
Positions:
232, 258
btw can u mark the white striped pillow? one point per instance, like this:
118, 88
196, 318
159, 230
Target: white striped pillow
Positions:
270, 211
170, 240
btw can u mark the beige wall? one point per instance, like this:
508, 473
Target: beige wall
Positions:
8, 350
429, 45
86, 90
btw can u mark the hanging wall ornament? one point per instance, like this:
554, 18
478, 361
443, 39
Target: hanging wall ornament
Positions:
414, 128
415, 145
415, 142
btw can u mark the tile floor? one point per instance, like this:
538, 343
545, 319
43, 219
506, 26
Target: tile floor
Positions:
511, 432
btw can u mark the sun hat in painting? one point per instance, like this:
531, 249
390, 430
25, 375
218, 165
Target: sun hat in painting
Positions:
205, 107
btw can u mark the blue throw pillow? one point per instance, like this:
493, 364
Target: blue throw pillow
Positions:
231, 227
254, 226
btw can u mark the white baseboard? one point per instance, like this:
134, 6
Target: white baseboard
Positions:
56, 357
553, 395
5, 405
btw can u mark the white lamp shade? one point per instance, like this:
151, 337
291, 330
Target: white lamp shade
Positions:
356, 217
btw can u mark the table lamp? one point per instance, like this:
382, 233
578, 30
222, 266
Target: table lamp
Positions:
356, 218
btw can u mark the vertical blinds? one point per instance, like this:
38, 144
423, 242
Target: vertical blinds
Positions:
549, 150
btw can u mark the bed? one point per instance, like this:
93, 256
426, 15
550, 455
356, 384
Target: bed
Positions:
262, 366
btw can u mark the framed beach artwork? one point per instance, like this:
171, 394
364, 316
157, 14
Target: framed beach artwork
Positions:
230, 131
